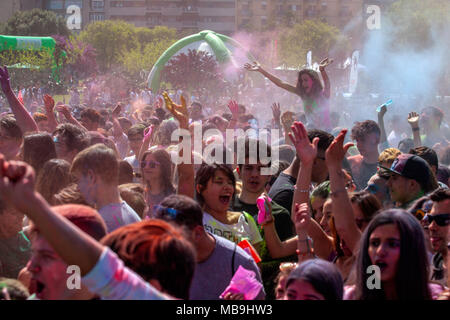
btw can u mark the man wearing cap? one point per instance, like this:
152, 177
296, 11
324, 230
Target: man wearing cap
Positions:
410, 178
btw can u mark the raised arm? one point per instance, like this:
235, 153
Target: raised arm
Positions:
306, 152
287, 120
234, 109
49, 104
117, 128
342, 209
103, 272
24, 120
383, 136
279, 83
326, 81
17, 181
65, 110
413, 120
277, 249
186, 172
276, 112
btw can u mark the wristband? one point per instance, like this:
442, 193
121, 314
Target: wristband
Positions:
415, 129
300, 190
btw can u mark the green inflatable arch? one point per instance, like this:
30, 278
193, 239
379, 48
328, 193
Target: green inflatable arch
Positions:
216, 41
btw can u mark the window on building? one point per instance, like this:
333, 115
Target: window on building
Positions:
55, 5
96, 16
97, 4
78, 3
264, 5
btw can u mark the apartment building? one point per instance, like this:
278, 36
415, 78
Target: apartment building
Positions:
266, 14
195, 15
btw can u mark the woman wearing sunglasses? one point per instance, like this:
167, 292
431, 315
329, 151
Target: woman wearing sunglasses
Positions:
157, 175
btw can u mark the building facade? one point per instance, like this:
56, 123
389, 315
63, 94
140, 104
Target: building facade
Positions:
266, 14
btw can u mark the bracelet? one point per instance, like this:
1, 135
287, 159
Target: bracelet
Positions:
300, 190
415, 129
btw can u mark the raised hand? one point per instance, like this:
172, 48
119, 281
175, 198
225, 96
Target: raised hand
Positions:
336, 151
180, 112
17, 181
234, 109
252, 67
287, 119
65, 110
302, 218
4, 79
306, 150
276, 111
382, 111
413, 119
325, 62
49, 103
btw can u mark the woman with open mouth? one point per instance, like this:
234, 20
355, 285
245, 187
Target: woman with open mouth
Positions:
215, 188
392, 263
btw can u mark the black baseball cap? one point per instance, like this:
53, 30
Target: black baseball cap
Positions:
411, 167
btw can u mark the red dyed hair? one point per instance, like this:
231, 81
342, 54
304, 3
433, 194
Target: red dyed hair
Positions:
157, 250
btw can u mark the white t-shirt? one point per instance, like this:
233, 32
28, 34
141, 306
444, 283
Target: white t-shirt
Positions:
245, 228
117, 215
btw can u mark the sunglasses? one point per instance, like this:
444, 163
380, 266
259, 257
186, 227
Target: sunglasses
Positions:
441, 220
151, 164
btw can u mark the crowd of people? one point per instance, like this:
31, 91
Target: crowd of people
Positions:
347, 214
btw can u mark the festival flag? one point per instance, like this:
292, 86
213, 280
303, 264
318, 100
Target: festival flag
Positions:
309, 59
354, 72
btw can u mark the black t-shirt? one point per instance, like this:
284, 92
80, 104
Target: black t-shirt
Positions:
282, 191
366, 172
285, 229
283, 224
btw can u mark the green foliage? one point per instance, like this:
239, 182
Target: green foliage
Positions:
28, 67
158, 33
110, 39
313, 35
144, 57
119, 43
37, 23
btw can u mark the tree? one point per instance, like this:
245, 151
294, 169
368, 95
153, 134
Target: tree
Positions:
110, 39
314, 35
193, 71
80, 61
144, 57
28, 67
37, 23
158, 33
